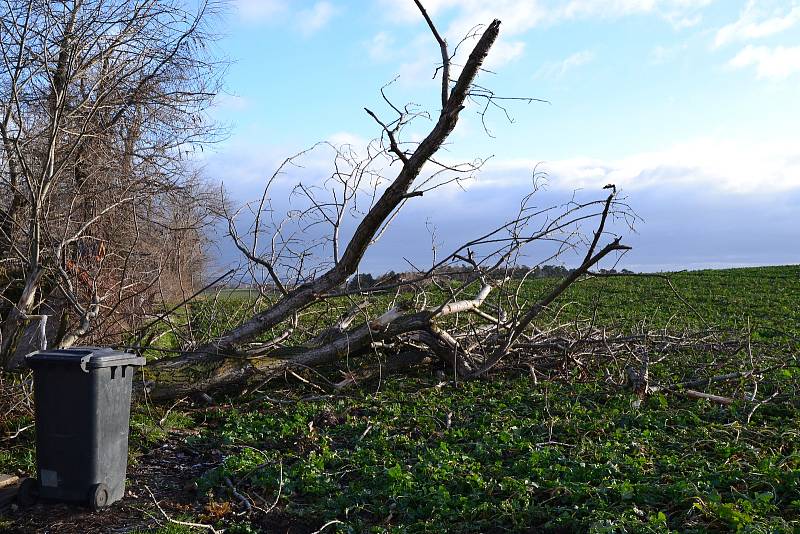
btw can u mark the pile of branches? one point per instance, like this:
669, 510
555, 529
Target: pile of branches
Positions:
408, 332
716, 365
301, 268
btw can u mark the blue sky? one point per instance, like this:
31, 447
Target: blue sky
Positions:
689, 106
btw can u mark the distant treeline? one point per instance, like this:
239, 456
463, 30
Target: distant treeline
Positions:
451, 273
456, 273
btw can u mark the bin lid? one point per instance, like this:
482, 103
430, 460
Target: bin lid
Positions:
86, 357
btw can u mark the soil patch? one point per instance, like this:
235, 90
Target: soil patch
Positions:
167, 469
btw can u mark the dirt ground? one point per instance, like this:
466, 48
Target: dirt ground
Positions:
167, 469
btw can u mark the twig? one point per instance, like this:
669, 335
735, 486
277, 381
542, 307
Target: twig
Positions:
326, 525
166, 414
760, 404
552, 442
445, 56
167, 313
244, 500
305, 381
364, 434
17, 433
694, 394
280, 489
710, 380
175, 521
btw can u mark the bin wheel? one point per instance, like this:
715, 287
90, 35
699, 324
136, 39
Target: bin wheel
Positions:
28, 493
98, 497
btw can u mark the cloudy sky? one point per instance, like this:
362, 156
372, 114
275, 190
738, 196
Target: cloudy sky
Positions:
689, 106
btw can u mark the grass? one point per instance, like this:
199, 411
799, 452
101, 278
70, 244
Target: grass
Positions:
517, 455
549, 456
508, 455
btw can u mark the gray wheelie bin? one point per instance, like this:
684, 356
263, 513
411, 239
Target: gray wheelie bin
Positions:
83, 399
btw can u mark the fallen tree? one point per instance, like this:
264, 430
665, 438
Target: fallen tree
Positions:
263, 343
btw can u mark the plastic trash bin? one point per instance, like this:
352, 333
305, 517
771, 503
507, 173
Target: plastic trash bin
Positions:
83, 400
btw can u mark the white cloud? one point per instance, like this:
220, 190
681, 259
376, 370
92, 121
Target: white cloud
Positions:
680, 21
757, 20
347, 138
734, 166
520, 15
254, 11
307, 21
557, 69
618, 8
503, 52
517, 16
707, 165
462, 16
708, 202
456, 18
315, 18
679, 13
416, 73
664, 54
771, 63
380, 47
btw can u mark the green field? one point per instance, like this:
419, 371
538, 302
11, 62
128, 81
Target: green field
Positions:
411, 454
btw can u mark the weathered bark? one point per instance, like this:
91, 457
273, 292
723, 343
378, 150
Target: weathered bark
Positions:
389, 326
13, 327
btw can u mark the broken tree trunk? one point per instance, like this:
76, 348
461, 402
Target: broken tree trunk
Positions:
389, 326
226, 345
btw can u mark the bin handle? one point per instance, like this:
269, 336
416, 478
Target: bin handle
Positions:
84, 361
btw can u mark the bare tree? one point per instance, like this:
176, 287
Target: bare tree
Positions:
100, 103
303, 272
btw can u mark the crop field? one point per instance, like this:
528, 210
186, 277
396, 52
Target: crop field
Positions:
416, 453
